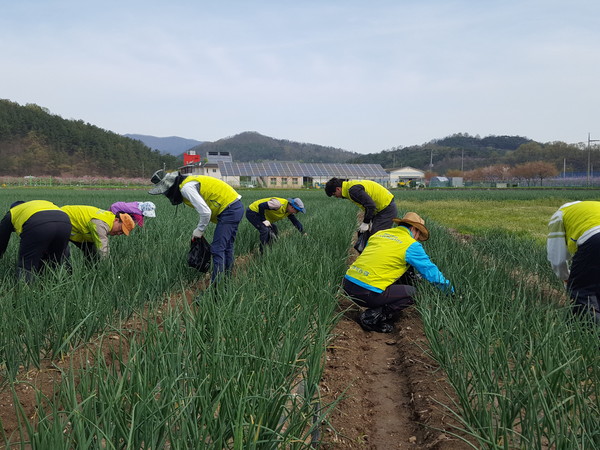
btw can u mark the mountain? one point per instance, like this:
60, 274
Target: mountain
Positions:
459, 151
462, 152
35, 142
251, 146
172, 145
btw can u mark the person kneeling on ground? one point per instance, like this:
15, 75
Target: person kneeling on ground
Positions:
378, 278
263, 214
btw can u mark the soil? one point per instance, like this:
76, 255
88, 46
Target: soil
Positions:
388, 390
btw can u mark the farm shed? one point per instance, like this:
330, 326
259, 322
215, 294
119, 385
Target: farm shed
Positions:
405, 175
439, 182
294, 175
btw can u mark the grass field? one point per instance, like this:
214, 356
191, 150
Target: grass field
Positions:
239, 368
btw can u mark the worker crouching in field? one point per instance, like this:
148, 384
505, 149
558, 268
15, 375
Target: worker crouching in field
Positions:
376, 281
574, 235
44, 231
375, 200
263, 214
137, 210
215, 201
91, 227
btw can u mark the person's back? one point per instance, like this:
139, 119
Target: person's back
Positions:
574, 235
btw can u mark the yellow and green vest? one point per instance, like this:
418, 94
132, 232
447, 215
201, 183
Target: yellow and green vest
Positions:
383, 260
380, 195
84, 230
272, 215
579, 218
217, 194
21, 213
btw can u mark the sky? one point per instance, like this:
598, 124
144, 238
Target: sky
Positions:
364, 76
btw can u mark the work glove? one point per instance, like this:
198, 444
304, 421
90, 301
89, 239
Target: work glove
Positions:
364, 227
266, 223
197, 234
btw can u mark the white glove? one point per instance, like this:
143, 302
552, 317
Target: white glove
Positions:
197, 234
266, 223
364, 227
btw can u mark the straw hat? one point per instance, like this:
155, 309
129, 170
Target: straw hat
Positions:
412, 219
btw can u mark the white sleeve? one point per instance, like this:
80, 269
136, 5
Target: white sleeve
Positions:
556, 246
190, 192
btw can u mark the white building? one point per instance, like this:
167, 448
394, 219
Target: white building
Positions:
405, 175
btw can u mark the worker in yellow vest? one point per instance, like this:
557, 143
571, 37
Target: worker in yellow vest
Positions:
574, 237
263, 214
377, 280
375, 200
91, 227
215, 201
44, 231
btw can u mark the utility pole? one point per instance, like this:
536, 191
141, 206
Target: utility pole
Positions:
589, 165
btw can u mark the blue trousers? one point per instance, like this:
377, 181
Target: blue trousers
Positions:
221, 247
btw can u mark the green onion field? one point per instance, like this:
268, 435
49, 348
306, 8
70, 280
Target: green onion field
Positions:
164, 363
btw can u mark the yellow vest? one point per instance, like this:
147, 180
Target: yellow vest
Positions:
272, 215
83, 229
21, 213
383, 260
579, 218
380, 195
217, 194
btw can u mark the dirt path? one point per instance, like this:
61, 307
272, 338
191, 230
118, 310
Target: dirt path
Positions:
390, 389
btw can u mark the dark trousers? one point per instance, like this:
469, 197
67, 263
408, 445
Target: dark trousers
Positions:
383, 219
395, 297
584, 279
257, 222
44, 240
221, 247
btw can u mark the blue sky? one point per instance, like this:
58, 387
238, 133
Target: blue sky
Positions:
364, 76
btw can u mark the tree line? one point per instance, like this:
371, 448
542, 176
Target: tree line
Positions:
35, 142
462, 153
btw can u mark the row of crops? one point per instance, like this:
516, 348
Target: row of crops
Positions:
239, 366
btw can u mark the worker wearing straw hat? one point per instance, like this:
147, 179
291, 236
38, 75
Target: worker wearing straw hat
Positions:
375, 200
574, 237
92, 226
44, 231
263, 214
377, 280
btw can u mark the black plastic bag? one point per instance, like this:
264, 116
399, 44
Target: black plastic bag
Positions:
376, 319
199, 256
361, 241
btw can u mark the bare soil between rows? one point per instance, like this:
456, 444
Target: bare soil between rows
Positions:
389, 392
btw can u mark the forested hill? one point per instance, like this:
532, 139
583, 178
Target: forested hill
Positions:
35, 142
464, 152
254, 147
